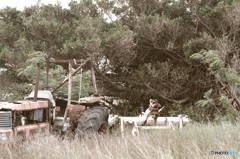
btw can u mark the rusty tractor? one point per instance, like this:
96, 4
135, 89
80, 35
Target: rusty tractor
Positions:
49, 110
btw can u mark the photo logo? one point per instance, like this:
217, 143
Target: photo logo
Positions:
212, 152
224, 153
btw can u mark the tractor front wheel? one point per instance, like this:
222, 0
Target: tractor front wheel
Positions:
93, 120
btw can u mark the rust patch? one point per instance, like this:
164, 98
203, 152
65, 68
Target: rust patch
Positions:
131, 123
117, 123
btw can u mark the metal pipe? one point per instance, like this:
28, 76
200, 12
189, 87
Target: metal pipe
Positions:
37, 82
180, 111
111, 111
93, 79
141, 109
140, 120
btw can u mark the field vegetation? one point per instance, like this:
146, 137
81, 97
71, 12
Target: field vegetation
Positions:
194, 141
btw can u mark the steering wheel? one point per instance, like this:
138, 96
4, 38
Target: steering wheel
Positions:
46, 88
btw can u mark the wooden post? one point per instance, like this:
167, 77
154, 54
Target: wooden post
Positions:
122, 132
135, 131
47, 76
69, 91
171, 125
180, 119
64, 126
180, 122
93, 79
37, 82
70, 83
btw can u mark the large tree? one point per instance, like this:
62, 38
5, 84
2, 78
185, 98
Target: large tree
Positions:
142, 50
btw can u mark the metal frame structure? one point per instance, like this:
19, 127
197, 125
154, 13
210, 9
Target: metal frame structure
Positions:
148, 121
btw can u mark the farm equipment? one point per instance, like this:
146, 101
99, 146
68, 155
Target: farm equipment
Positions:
148, 120
45, 109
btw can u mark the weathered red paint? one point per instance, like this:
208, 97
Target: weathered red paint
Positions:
74, 114
32, 126
25, 128
23, 105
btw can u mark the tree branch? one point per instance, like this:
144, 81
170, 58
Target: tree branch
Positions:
166, 98
120, 88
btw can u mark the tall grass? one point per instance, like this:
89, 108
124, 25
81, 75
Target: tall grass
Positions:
194, 141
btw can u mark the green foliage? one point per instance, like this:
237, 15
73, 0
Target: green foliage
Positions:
204, 41
192, 114
175, 111
216, 67
142, 54
86, 85
34, 58
10, 89
230, 113
207, 101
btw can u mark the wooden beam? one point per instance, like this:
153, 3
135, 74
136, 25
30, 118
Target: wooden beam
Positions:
62, 61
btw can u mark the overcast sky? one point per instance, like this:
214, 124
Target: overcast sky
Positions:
20, 4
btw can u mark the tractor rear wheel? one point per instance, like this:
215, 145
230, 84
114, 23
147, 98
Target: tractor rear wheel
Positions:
93, 120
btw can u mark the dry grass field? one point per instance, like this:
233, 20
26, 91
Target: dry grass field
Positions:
194, 141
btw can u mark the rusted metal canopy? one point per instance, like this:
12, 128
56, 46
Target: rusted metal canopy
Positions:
86, 100
23, 105
90, 100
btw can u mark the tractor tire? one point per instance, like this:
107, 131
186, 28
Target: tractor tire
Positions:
92, 120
